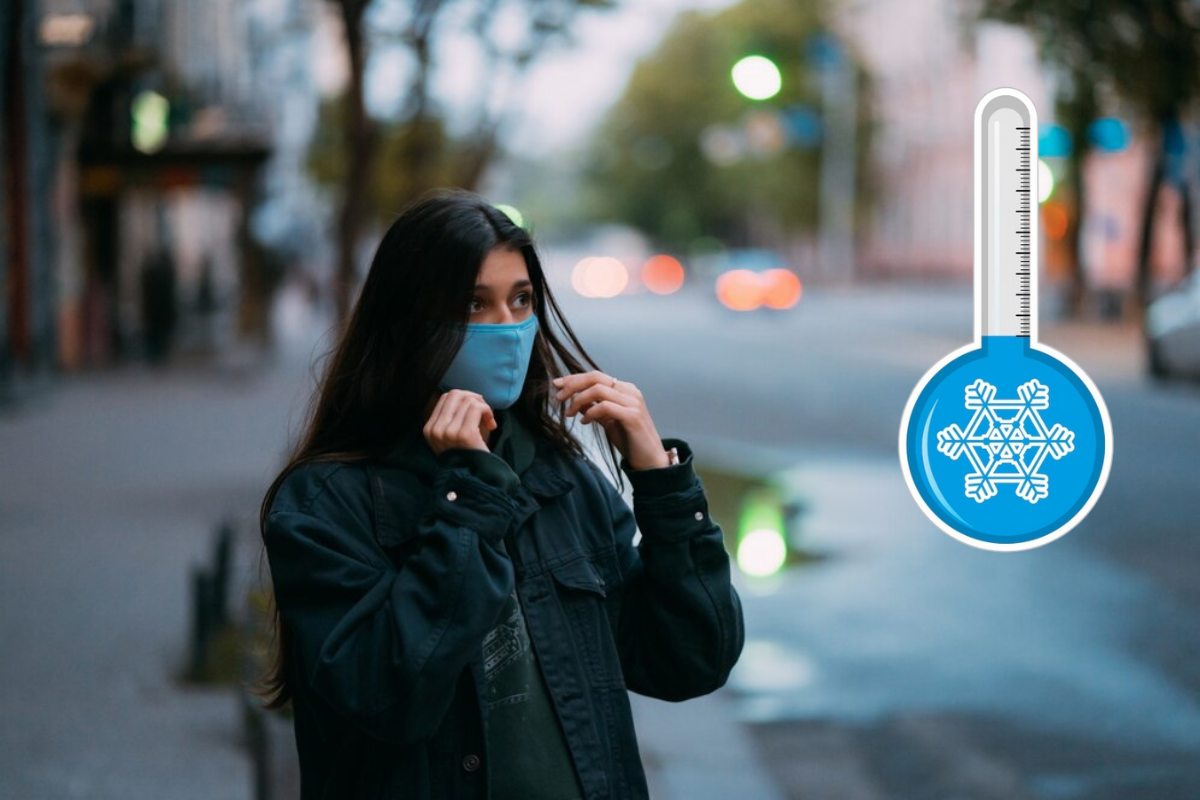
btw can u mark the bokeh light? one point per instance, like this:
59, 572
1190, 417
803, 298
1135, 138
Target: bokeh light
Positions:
781, 288
1109, 134
67, 30
762, 552
150, 112
721, 145
762, 545
512, 213
599, 276
757, 77
1045, 181
740, 289
1055, 220
662, 274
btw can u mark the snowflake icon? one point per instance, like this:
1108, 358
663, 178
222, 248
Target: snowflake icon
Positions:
1006, 441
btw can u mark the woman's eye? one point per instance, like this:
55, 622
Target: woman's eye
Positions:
523, 300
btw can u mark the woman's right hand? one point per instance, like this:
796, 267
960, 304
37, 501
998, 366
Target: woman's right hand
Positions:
459, 419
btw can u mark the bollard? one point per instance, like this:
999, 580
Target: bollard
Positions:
221, 567
212, 615
202, 620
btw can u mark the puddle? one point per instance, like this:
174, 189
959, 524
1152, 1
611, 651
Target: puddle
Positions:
881, 613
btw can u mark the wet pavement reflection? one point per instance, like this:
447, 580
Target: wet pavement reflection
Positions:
893, 632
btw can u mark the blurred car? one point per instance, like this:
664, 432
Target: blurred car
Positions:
745, 279
1172, 326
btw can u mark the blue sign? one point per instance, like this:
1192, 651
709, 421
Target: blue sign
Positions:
802, 125
824, 51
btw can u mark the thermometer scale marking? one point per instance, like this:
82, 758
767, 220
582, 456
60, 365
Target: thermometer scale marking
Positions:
1023, 274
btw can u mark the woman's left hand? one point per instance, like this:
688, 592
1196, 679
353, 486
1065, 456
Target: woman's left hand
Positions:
621, 409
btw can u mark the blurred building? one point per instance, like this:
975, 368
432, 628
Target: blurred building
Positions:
144, 133
929, 76
930, 71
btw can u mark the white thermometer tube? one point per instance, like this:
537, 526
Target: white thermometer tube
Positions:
1006, 214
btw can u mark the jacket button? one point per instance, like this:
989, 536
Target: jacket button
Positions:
470, 762
699, 515
451, 496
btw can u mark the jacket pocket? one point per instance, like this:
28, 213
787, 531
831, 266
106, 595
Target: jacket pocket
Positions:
580, 575
585, 588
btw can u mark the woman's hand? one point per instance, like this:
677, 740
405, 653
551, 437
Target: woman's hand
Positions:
620, 408
459, 419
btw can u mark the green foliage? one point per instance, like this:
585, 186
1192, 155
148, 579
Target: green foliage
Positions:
1148, 51
415, 152
400, 143
648, 167
422, 141
327, 150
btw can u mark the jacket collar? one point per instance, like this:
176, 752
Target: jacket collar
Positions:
535, 461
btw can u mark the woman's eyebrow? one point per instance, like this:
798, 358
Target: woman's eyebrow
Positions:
525, 283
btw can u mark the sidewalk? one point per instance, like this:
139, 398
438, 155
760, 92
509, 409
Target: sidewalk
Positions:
111, 492
111, 489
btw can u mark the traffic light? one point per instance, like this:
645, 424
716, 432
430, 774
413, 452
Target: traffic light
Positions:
757, 77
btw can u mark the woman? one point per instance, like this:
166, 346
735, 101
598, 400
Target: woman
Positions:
460, 607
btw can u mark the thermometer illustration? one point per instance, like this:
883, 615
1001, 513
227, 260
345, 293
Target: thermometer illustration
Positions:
1006, 443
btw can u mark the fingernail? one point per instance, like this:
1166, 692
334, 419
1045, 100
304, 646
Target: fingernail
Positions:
557, 381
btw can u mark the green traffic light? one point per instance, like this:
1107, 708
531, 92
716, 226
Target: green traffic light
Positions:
150, 113
757, 77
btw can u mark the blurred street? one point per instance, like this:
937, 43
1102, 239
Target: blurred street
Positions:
769, 216
905, 664
902, 665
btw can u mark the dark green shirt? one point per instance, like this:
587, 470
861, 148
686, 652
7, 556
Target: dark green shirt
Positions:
527, 750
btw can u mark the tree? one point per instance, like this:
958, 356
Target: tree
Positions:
1156, 68
1145, 51
360, 139
650, 165
418, 153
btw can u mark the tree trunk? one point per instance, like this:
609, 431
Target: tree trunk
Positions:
476, 161
1142, 278
420, 157
1076, 285
361, 139
1078, 110
1189, 230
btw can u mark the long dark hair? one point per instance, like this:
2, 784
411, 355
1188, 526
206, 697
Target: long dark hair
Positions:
386, 363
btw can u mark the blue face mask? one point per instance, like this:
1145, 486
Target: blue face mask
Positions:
493, 361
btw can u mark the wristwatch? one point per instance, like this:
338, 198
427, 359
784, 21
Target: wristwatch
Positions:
673, 456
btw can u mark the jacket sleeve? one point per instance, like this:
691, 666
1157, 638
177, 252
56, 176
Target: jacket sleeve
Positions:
680, 626
382, 646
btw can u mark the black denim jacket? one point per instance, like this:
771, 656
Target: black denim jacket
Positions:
389, 574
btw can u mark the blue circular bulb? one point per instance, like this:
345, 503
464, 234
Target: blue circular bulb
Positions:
1006, 446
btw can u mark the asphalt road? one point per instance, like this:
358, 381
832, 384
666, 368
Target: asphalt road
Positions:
905, 664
